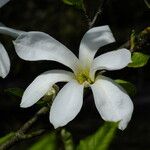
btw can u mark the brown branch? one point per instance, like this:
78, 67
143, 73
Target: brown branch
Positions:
91, 22
33, 134
98, 12
21, 133
19, 137
125, 45
147, 3
86, 17
29, 123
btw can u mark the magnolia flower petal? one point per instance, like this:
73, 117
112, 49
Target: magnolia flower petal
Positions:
9, 31
92, 41
40, 86
113, 60
112, 101
67, 104
4, 62
41, 46
3, 2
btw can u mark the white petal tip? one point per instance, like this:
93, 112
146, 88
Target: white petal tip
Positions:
122, 125
130, 61
24, 105
121, 128
2, 76
55, 125
14, 42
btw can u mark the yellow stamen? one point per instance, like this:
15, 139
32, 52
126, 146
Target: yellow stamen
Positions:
83, 76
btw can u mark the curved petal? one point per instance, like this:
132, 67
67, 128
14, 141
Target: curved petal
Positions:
113, 60
67, 104
9, 31
92, 41
38, 88
3, 2
41, 46
112, 101
4, 62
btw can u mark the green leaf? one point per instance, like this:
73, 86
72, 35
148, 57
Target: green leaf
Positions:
76, 3
6, 137
47, 142
101, 139
139, 60
129, 87
15, 91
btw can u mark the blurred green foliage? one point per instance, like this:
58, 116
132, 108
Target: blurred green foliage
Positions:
67, 140
129, 87
101, 139
47, 142
76, 3
139, 60
6, 137
98, 141
15, 91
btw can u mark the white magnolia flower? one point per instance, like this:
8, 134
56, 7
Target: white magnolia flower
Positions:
111, 100
4, 58
4, 62
3, 2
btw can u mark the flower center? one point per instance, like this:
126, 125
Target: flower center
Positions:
83, 76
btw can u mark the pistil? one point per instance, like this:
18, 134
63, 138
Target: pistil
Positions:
83, 76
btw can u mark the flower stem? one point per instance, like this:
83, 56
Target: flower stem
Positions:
21, 133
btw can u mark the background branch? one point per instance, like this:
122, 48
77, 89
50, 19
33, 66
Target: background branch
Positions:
126, 45
21, 133
147, 3
91, 22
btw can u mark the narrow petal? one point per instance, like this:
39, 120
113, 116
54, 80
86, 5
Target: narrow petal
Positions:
4, 62
3, 2
112, 101
41, 46
67, 104
38, 88
9, 31
113, 60
92, 41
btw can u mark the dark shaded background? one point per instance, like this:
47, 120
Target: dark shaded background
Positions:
68, 25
